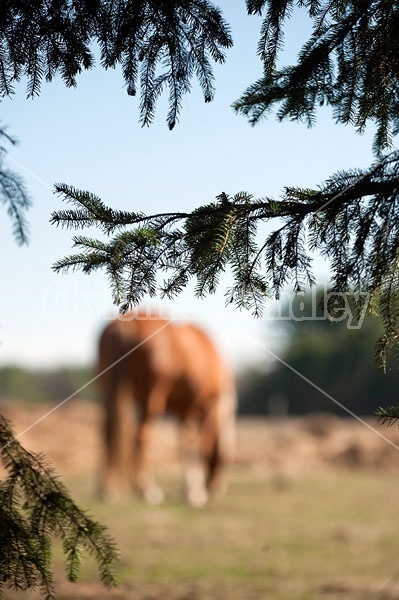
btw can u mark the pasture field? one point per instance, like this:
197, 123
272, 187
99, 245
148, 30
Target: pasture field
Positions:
273, 536
288, 530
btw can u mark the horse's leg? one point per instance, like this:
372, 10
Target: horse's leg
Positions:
219, 440
194, 475
144, 481
210, 449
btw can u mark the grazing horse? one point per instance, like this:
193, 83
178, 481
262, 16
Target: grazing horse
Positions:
150, 367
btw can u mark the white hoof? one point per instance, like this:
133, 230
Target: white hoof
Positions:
109, 495
154, 495
198, 497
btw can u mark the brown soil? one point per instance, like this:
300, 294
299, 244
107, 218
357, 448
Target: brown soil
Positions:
69, 436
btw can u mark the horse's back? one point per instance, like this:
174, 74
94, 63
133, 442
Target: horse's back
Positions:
139, 350
205, 374
143, 352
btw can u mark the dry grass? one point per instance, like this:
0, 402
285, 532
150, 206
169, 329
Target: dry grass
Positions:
296, 524
273, 535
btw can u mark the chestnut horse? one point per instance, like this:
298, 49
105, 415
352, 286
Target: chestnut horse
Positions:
150, 367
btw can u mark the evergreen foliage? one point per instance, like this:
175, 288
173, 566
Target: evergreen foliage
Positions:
13, 194
158, 44
349, 62
387, 415
34, 507
352, 218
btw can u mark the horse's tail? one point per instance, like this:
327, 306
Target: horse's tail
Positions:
116, 398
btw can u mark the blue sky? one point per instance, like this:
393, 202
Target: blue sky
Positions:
89, 137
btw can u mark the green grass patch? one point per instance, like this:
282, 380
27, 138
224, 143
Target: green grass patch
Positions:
284, 537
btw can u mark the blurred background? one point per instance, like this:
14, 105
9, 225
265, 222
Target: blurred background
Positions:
312, 355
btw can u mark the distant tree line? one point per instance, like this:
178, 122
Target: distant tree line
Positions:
336, 358
49, 385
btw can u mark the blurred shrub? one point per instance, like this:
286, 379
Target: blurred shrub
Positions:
49, 385
330, 356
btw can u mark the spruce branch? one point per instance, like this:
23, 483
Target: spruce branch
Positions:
349, 63
159, 45
351, 218
13, 194
35, 507
388, 416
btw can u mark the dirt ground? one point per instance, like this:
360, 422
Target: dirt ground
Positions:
70, 438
